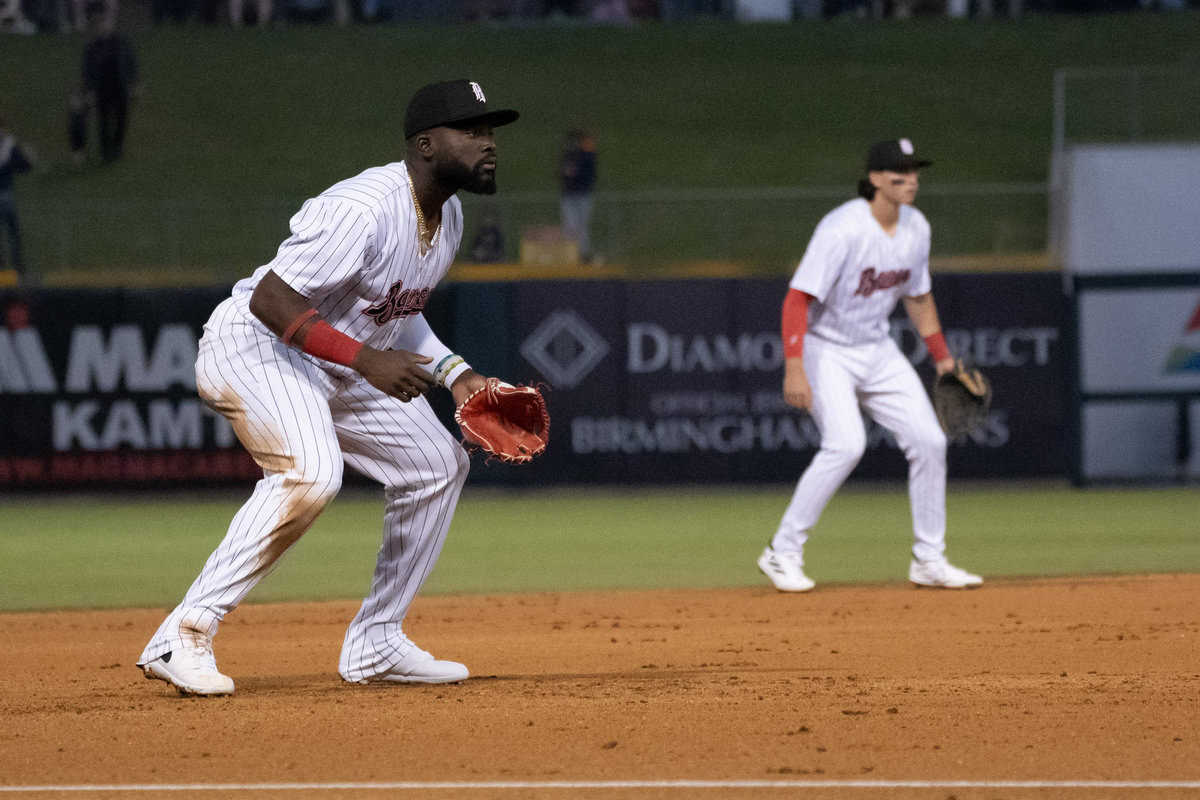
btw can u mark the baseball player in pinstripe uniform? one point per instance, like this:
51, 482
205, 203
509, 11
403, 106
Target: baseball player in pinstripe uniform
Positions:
864, 256
323, 357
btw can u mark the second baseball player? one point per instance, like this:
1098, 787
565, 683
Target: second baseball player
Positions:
865, 256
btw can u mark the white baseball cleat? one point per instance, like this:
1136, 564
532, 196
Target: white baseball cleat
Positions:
786, 570
941, 574
419, 666
191, 670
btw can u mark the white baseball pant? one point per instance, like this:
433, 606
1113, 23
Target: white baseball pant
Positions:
300, 422
878, 378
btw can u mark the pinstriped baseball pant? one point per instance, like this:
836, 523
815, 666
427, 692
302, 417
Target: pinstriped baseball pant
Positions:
300, 422
879, 379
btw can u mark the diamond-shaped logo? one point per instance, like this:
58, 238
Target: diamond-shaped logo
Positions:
564, 348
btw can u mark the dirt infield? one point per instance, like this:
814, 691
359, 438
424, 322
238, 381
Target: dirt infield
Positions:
844, 692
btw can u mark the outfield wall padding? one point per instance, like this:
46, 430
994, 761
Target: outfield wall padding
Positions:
672, 381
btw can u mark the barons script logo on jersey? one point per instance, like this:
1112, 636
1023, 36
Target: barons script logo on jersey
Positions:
869, 282
400, 302
1185, 356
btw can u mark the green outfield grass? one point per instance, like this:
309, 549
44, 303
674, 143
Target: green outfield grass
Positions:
235, 127
144, 550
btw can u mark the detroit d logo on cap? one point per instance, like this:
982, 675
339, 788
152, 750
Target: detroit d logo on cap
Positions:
478, 90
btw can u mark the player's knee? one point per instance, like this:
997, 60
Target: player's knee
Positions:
446, 467
456, 463
845, 450
929, 444
318, 483
462, 463
455, 466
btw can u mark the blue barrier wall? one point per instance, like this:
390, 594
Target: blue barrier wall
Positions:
647, 381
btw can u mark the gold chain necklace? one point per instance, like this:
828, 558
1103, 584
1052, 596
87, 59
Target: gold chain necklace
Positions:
425, 239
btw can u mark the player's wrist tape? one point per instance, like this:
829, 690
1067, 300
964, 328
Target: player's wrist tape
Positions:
936, 342
300, 319
324, 342
449, 368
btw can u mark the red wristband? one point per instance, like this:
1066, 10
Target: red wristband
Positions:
795, 323
936, 342
296, 323
324, 342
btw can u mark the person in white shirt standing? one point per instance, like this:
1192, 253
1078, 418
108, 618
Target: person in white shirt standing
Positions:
323, 357
865, 256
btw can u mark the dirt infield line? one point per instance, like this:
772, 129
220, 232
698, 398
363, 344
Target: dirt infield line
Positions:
1023, 690
667, 784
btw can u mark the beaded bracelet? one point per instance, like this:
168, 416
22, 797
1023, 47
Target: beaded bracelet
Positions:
451, 366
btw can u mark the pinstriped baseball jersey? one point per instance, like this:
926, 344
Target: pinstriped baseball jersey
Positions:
857, 272
353, 252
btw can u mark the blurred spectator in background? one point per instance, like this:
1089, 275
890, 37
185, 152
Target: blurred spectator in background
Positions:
13, 19
388, 10
577, 178
643, 9
479, 10
262, 13
63, 16
610, 11
208, 11
38, 15
110, 78
321, 10
488, 245
15, 159
675, 10
177, 11
77, 109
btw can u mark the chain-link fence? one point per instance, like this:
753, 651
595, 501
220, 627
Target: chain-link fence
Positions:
1126, 104
765, 228
761, 230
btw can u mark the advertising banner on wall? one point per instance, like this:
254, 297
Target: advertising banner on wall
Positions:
1139, 377
648, 381
99, 386
1140, 339
679, 381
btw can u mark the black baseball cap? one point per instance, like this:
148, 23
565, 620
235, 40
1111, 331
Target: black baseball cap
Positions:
452, 103
894, 155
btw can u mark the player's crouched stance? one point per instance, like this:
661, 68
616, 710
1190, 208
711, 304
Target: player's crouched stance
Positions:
864, 257
322, 358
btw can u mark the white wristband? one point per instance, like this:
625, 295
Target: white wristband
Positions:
453, 374
449, 368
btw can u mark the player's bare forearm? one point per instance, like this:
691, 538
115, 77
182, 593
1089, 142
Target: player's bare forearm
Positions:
922, 310
465, 385
394, 372
277, 305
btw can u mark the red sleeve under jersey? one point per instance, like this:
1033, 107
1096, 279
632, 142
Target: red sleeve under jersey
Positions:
795, 322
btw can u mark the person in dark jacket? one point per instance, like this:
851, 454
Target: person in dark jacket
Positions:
577, 177
15, 159
110, 78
